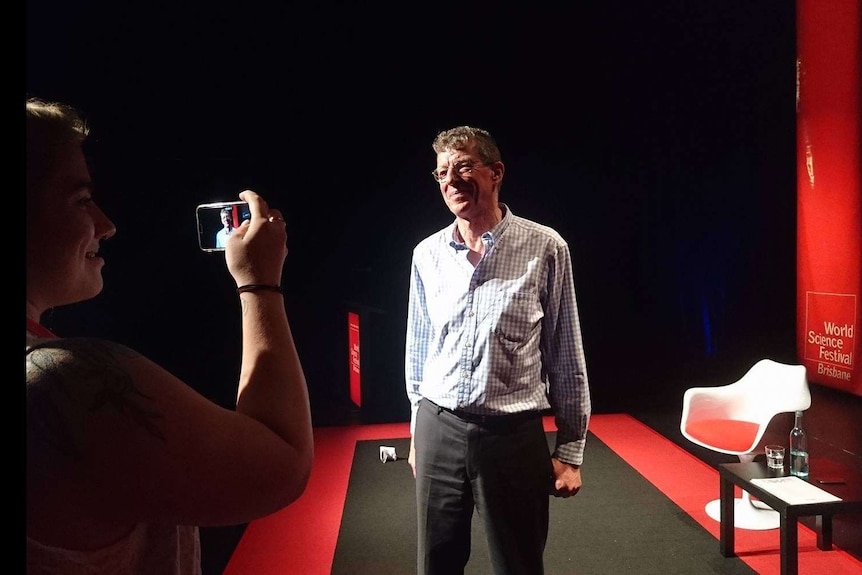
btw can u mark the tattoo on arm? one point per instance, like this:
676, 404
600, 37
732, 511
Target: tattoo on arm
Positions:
88, 376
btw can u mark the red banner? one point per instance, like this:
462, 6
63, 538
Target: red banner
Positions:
829, 198
353, 358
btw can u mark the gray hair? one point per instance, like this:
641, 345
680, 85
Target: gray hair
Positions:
462, 137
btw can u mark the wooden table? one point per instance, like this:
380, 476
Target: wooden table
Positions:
741, 474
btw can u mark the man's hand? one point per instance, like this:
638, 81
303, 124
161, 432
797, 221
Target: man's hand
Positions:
567, 478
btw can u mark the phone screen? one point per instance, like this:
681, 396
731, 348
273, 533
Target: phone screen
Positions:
216, 221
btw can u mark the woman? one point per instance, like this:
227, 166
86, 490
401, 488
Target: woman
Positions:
125, 460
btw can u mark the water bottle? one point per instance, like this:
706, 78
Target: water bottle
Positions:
798, 448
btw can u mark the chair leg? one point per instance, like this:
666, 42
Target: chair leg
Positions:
747, 514
755, 502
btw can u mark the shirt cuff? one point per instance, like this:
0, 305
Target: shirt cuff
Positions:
571, 452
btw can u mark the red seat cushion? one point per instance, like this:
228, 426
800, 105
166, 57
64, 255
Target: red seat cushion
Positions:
727, 434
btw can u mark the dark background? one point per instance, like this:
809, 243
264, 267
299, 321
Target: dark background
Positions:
657, 137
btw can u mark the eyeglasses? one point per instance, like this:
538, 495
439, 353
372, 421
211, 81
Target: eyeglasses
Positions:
461, 168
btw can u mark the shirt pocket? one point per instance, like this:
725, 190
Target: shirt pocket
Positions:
518, 318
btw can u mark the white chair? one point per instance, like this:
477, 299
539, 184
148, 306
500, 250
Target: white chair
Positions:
732, 419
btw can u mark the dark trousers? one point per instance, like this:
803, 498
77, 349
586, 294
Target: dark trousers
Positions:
502, 468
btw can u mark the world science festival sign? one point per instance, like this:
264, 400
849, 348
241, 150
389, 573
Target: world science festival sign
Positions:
829, 186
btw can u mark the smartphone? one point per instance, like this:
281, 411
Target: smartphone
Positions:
216, 221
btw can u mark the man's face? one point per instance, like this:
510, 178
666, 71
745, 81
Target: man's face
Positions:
225, 219
468, 186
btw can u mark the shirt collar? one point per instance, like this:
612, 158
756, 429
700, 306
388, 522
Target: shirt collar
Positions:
490, 236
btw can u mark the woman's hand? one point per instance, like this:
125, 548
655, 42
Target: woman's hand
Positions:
256, 250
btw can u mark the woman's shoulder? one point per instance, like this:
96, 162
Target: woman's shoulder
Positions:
73, 343
86, 359
72, 376
84, 399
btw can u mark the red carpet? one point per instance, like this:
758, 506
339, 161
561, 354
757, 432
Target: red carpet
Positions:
301, 539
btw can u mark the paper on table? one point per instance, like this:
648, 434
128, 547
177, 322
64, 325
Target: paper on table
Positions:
794, 490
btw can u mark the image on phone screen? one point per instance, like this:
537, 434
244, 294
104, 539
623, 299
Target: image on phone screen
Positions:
216, 221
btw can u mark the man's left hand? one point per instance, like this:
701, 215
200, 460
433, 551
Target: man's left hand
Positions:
567, 479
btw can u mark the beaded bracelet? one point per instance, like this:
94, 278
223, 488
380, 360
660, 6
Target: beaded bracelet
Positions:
258, 287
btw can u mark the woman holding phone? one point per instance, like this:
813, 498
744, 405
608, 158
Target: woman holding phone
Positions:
125, 460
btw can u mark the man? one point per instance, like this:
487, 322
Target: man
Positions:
493, 342
227, 227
